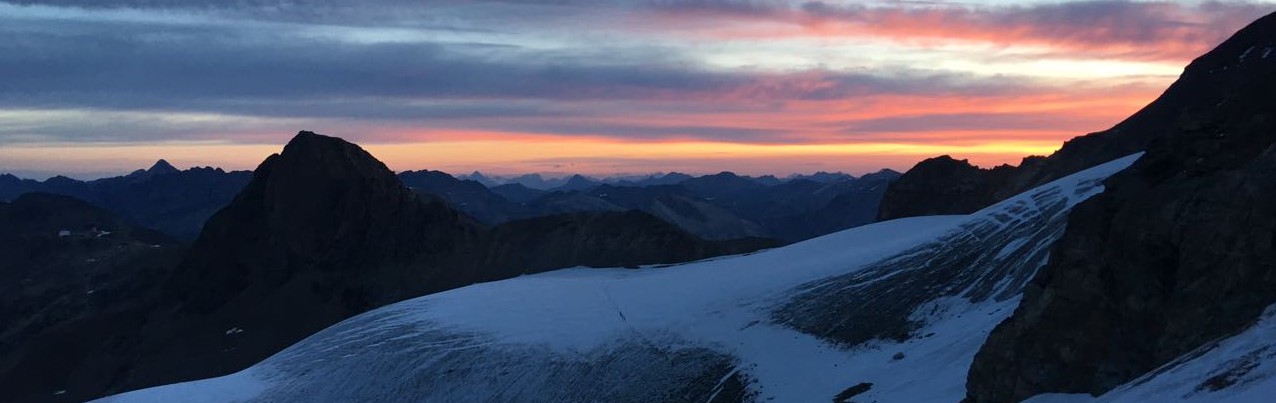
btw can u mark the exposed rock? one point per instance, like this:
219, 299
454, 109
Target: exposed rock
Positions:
68, 272
858, 389
1209, 81
942, 185
1180, 251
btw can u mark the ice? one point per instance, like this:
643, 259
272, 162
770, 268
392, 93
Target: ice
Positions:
689, 332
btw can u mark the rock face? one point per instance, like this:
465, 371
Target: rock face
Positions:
941, 186
323, 232
1210, 80
1180, 251
68, 269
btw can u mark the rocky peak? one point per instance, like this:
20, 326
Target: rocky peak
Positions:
577, 182
941, 185
162, 167
1179, 251
321, 191
1209, 82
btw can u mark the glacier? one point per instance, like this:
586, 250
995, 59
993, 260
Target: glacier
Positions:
889, 312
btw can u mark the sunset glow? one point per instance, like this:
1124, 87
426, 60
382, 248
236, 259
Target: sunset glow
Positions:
98, 88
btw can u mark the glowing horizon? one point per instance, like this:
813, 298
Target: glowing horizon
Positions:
100, 88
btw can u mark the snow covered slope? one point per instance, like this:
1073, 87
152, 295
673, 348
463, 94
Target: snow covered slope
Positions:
890, 312
1239, 369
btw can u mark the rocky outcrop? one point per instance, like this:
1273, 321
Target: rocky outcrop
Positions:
942, 185
1180, 251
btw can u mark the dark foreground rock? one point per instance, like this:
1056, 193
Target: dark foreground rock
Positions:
1180, 251
1213, 78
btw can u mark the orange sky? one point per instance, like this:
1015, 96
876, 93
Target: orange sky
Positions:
616, 88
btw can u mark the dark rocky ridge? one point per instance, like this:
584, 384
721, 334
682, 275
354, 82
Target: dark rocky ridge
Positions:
943, 185
1180, 251
1210, 80
324, 231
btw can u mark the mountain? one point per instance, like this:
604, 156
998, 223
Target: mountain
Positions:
887, 312
728, 206
677, 205
162, 197
823, 177
480, 178
672, 178
767, 180
468, 196
599, 239
1178, 255
68, 270
943, 185
518, 193
160, 167
536, 181
724, 185
1211, 80
825, 208
322, 232
577, 182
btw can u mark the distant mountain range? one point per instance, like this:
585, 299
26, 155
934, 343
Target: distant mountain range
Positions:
581, 182
162, 198
721, 206
178, 202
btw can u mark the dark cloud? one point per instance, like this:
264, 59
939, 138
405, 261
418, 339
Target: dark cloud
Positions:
253, 71
971, 122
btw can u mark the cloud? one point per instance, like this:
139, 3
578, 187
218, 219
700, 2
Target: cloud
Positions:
1137, 30
232, 70
255, 71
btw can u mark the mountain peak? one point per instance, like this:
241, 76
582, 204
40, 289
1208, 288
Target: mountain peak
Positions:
162, 167
317, 155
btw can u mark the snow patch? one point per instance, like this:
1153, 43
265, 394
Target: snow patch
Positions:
1245, 54
1238, 369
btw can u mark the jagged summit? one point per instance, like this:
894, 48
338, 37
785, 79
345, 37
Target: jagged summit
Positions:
162, 167
578, 182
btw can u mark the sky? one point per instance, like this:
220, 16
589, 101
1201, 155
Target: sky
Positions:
91, 88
